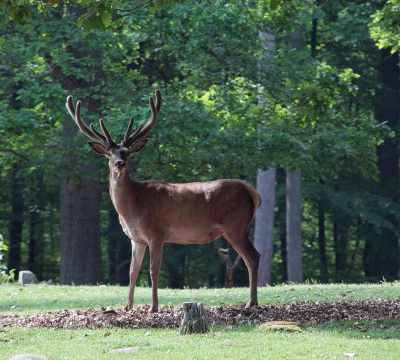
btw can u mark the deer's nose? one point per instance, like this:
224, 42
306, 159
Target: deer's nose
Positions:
120, 164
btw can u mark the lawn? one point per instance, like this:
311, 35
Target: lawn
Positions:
357, 339
38, 298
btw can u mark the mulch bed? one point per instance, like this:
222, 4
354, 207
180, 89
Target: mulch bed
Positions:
171, 317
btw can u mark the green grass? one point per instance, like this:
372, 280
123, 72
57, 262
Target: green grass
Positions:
244, 342
38, 298
367, 340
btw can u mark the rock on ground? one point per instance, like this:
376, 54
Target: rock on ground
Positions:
27, 277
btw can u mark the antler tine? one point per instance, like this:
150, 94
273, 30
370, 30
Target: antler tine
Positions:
128, 143
106, 133
70, 106
91, 132
159, 101
76, 115
100, 136
155, 110
128, 132
143, 131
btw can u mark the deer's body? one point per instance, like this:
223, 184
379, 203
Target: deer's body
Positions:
193, 213
154, 212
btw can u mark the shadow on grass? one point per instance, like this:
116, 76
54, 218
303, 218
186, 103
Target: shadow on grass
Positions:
362, 329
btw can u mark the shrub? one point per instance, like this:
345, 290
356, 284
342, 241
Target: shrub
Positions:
4, 277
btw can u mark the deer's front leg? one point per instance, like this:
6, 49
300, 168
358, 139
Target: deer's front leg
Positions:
138, 250
156, 248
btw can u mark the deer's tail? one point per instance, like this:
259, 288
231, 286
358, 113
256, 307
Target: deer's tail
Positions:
257, 201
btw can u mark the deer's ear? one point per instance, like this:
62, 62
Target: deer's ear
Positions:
137, 146
98, 148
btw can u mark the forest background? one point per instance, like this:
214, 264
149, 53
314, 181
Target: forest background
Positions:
305, 88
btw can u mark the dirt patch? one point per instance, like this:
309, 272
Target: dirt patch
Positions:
171, 317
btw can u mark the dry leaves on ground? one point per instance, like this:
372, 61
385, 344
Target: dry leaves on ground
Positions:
170, 316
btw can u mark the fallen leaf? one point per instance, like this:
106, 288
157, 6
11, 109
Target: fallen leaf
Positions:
147, 333
107, 334
349, 354
229, 327
126, 349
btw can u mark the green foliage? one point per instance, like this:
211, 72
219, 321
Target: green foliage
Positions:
99, 14
4, 277
231, 107
385, 26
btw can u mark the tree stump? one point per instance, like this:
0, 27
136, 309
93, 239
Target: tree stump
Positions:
195, 318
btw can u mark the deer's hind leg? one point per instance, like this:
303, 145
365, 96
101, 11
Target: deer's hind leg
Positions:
138, 250
241, 243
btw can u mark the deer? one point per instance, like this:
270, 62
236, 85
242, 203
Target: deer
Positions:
154, 212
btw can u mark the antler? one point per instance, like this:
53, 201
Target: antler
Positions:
91, 133
141, 131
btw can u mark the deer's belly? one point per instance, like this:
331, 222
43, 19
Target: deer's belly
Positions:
193, 236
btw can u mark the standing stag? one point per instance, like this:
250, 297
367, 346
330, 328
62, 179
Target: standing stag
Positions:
154, 212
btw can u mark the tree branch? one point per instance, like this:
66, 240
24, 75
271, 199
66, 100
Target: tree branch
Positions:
149, 64
15, 153
212, 53
137, 7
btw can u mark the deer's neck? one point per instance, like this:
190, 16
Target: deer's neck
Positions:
122, 192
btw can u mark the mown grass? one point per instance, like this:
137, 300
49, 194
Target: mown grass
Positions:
367, 340
38, 298
243, 342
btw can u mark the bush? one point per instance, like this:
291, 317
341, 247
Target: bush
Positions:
4, 277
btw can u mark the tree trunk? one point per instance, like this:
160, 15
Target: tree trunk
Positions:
284, 266
293, 226
321, 244
36, 227
264, 223
80, 195
337, 248
16, 221
388, 164
79, 218
381, 253
293, 204
119, 251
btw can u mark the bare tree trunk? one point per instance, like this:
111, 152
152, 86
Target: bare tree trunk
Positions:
321, 244
264, 226
293, 226
36, 227
293, 204
16, 220
80, 195
79, 219
264, 222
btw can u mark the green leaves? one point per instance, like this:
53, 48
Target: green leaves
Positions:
385, 26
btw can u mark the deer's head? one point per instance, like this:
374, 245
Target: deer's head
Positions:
118, 154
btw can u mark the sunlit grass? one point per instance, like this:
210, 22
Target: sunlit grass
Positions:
38, 298
243, 342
